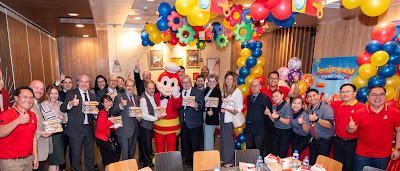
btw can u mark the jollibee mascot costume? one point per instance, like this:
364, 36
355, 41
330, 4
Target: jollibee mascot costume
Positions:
167, 128
5, 98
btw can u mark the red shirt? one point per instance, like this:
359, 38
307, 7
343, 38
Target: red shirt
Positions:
375, 131
342, 117
267, 91
20, 141
103, 126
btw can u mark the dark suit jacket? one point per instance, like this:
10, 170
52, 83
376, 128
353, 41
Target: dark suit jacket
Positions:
130, 124
214, 119
256, 120
193, 117
100, 94
62, 95
76, 117
140, 84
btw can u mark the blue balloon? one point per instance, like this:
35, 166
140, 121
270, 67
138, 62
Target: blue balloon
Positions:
376, 80
151, 43
244, 130
286, 23
238, 145
244, 45
256, 53
259, 44
174, 31
373, 46
270, 18
394, 59
362, 94
244, 71
252, 45
251, 62
145, 42
240, 80
162, 24
241, 138
216, 26
390, 47
387, 70
144, 35
164, 9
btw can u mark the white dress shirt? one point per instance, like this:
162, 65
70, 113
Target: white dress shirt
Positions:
145, 110
238, 98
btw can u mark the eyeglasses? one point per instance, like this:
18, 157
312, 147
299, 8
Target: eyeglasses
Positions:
346, 92
274, 78
185, 82
378, 95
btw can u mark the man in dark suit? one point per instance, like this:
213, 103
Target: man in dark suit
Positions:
256, 120
110, 90
66, 84
191, 119
80, 126
128, 134
139, 82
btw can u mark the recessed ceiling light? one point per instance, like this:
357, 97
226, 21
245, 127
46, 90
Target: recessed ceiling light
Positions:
247, 5
79, 25
85, 35
137, 18
73, 14
150, 0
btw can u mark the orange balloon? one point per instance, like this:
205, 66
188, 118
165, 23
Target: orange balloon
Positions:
308, 79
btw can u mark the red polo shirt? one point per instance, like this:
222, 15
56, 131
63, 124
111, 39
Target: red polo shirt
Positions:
375, 131
342, 117
20, 141
267, 91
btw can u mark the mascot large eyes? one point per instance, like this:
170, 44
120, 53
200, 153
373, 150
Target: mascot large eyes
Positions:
169, 79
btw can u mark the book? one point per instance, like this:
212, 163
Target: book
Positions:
111, 94
228, 104
160, 111
187, 100
53, 126
212, 102
117, 122
90, 107
135, 111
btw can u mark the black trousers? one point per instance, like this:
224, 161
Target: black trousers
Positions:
281, 142
300, 143
191, 140
256, 142
66, 143
320, 147
145, 150
107, 155
268, 137
75, 143
344, 152
41, 166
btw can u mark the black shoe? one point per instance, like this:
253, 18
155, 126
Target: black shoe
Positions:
96, 167
186, 162
190, 165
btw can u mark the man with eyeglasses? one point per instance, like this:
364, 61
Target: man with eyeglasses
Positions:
273, 80
375, 124
111, 90
344, 144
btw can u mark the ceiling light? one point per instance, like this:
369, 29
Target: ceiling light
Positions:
85, 35
73, 14
150, 0
137, 18
247, 5
79, 25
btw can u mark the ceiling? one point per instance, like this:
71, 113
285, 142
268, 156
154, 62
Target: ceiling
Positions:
52, 15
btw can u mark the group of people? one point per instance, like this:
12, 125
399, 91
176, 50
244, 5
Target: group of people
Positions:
276, 118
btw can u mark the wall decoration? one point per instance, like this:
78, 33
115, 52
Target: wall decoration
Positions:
177, 60
156, 60
192, 58
213, 65
195, 74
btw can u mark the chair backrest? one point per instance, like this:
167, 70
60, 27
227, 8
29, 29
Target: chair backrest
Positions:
369, 168
332, 165
206, 160
124, 165
247, 156
168, 161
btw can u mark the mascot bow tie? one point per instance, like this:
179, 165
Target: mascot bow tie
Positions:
164, 97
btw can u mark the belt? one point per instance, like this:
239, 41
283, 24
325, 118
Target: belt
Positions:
21, 157
320, 138
346, 140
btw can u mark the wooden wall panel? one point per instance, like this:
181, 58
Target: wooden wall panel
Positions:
48, 73
35, 54
84, 55
5, 63
54, 60
19, 52
347, 37
392, 14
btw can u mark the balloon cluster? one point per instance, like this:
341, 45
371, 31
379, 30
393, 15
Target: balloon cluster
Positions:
379, 63
371, 8
240, 137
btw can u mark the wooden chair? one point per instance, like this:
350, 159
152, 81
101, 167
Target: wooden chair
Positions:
168, 161
332, 165
125, 165
206, 160
247, 156
369, 168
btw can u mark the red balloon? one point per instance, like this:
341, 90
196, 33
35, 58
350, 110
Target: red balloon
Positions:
258, 11
182, 44
304, 97
197, 29
173, 40
283, 10
391, 103
398, 70
244, 106
271, 4
262, 79
363, 58
384, 32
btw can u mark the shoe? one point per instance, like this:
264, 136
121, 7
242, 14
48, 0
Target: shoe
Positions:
190, 165
186, 162
96, 167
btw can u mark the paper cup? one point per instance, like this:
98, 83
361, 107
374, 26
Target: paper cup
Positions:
285, 163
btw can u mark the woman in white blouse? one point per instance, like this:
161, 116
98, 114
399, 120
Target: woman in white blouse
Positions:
230, 92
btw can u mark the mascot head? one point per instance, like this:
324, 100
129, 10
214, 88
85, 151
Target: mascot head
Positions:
169, 79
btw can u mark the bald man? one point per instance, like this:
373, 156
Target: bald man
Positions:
146, 75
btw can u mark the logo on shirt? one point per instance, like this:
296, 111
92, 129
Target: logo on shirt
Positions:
33, 121
352, 111
385, 117
1, 121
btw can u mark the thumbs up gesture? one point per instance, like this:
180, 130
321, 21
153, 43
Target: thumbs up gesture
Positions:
301, 120
274, 114
23, 118
352, 124
313, 117
74, 102
123, 102
267, 112
210, 112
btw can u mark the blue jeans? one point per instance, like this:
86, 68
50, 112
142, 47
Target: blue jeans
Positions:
360, 162
209, 131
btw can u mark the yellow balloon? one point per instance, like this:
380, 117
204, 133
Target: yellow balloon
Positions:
367, 70
213, 15
150, 28
302, 87
190, 21
199, 16
256, 71
245, 53
390, 93
244, 89
374, 8
260, 61
227, 24
238, 130
241, 62
243, 146
184, 7
193, 43
249, 79
155, 37
351, 4
166, 38
393, 81
360, 82
380, 58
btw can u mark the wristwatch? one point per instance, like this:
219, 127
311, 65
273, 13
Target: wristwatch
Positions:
316, 120
279, 117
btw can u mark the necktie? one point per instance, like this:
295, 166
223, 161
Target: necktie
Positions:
130, 98
253, 98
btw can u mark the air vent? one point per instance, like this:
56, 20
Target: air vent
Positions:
76, 20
